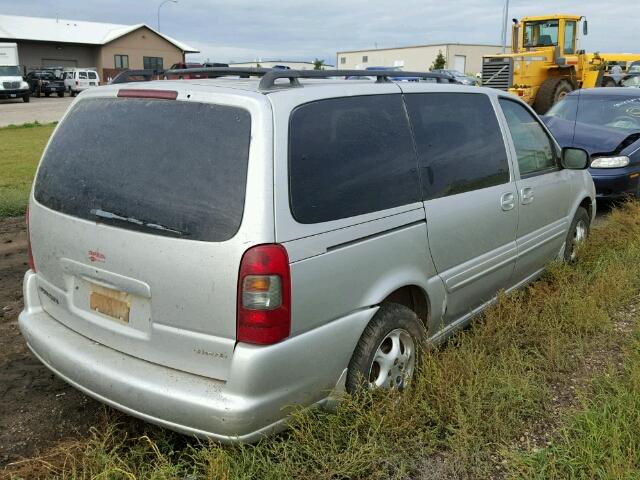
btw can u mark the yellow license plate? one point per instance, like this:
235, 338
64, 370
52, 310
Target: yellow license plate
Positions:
111, 303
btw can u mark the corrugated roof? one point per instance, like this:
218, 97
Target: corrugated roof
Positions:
72, 31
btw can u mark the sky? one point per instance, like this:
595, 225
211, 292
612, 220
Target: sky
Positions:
248, 30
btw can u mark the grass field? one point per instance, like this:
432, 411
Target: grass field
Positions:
545, 385
20, 151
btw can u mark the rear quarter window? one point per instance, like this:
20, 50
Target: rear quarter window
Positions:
164, 167
350, 156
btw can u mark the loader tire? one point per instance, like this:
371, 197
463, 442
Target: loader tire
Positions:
551, 91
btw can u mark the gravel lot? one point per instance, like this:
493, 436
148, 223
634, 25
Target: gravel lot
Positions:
43, 109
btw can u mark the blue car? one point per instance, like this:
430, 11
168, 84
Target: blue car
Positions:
606, 123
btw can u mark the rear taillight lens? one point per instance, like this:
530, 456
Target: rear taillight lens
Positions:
77, 82
32, 264
264, 295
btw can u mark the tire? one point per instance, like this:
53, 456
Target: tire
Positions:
26, 98
72, 93
394, 328
608, 82
578, 232
552, 90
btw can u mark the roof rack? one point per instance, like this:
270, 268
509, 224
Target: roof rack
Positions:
136, 76
269, 76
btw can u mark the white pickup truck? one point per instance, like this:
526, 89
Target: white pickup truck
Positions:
12, 84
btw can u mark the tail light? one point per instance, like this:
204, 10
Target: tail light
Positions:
77, 82
32, 264
264, 295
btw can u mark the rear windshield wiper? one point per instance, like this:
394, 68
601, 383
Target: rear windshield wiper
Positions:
141, 223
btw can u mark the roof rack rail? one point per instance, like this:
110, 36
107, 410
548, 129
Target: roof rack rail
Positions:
268, 81
136, 76
269, 76
215, 72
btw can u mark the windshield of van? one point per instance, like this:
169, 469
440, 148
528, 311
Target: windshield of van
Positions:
164, 167
11, 71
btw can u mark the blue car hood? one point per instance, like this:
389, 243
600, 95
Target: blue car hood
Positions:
592, 138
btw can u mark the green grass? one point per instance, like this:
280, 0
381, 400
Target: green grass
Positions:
471, 400
20, 151
601, 439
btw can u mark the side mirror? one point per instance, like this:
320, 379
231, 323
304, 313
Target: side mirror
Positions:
575, 158
585, 27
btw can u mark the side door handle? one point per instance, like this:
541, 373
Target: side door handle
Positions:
507, 201
526, 195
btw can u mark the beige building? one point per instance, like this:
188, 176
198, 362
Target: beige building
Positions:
466, 58
110, 48
294, 65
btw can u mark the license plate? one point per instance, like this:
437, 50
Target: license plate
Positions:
93, 84
12, 95
111, 303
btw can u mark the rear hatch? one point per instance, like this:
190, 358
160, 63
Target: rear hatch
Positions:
134, 228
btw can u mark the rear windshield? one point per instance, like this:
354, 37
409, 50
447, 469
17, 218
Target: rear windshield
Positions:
159, 166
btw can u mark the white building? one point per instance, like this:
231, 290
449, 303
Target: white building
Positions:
467, 58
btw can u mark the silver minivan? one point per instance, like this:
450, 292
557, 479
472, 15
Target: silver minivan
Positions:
207, 252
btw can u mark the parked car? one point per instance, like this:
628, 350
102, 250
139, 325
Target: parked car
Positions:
459, 77
80, 79
606, 123
631, 80
216, 254
44, 82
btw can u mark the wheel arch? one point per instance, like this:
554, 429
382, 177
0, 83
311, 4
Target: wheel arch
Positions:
414, 298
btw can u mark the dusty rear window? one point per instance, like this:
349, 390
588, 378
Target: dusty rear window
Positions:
159, 166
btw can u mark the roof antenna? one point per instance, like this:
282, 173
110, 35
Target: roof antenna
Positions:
57, 18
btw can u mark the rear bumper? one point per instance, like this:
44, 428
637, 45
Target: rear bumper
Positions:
52, 89
14, 93
262, 382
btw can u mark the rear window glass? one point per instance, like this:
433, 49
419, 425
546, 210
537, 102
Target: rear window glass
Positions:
350, 156
159, 166
82, 75
92, 75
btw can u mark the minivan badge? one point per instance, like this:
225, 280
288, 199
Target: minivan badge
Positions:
96, 256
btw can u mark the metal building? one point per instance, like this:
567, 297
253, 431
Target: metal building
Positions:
467, 58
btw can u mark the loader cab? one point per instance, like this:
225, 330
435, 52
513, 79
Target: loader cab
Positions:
544, 33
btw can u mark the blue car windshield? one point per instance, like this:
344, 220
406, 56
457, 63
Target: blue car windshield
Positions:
618, 112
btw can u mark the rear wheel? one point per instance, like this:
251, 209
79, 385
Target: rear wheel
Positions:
26, 98
577, 234
386, 355
551, 91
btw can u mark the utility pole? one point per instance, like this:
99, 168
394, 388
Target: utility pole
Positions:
505, 21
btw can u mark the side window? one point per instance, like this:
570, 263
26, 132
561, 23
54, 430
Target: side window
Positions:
533, 147
92, 75
459, 142
569, 35
82, 75
350, 156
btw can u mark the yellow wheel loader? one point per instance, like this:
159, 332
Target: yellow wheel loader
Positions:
546, 62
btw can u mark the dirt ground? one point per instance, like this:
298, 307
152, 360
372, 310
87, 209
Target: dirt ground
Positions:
38, 410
